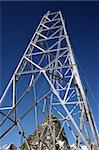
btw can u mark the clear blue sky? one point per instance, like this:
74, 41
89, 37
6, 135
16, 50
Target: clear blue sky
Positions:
19, 21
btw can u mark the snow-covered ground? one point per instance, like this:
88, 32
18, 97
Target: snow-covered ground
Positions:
83, 147
5, 147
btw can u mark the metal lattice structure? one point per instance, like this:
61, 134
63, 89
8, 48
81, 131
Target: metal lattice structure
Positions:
49, 64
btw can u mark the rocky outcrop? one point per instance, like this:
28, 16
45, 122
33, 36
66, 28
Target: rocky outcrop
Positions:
51, 136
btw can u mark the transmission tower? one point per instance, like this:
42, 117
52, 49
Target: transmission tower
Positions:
48, 64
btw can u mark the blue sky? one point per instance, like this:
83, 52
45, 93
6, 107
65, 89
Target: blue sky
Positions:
19, 21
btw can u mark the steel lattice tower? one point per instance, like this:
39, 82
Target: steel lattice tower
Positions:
49, 60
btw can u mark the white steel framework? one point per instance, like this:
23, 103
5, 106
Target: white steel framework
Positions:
49, 64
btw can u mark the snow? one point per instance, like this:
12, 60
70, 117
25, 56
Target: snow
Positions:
5, 147
61, 143
83, 147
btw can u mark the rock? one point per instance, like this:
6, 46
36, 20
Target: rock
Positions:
49, 139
